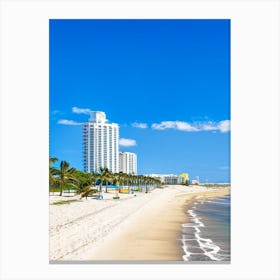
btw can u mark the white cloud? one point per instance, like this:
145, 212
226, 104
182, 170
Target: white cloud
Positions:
222, 126
55, 112
177, 125
184, 126
68, 122
127, 142
139, 125
207, 126
80, 110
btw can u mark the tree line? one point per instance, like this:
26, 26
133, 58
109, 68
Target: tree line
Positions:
84, 183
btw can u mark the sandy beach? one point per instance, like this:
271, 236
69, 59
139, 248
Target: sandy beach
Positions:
145, 227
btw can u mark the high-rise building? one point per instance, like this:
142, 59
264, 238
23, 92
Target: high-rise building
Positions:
128, 163
100, 143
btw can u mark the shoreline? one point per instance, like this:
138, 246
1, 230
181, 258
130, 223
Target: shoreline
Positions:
150, 231
153, 238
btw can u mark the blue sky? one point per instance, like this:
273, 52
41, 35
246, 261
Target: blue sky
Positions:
165, 82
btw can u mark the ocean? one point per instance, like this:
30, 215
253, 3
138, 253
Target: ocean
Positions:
206, 237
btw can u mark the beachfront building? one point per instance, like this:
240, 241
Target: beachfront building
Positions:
195, 182
169, 179
100, 143
128, 163
185, 176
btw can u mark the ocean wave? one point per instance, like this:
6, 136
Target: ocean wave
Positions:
217, 202
196, 246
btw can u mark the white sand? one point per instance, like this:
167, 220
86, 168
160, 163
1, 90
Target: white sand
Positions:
87, 229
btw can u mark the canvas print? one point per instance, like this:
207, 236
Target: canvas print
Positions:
139, 158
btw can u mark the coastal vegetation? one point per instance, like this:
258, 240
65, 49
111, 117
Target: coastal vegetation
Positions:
186, 183
60, 202
66, 178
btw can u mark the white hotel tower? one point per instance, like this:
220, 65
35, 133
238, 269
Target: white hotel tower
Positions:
128, 163
101, 143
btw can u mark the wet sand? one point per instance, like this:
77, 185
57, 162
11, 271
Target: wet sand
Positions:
154, 234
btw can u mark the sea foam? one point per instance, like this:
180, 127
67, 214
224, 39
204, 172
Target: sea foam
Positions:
197, 247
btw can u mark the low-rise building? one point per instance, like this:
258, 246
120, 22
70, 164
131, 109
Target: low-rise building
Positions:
169, 179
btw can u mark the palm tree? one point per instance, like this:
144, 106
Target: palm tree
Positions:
117, 178
84, 183
146, 180
133, 181
108, 177
125, 177
121, 178
95, 177
104, 176
52, 171
130, 180
137, 182
157, 182
65, 176
52, 160
140, 182
87, 190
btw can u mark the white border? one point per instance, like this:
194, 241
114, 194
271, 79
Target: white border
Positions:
255, 137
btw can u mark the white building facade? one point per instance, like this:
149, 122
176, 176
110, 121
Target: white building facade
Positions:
100, 143
128, 162
169, 179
